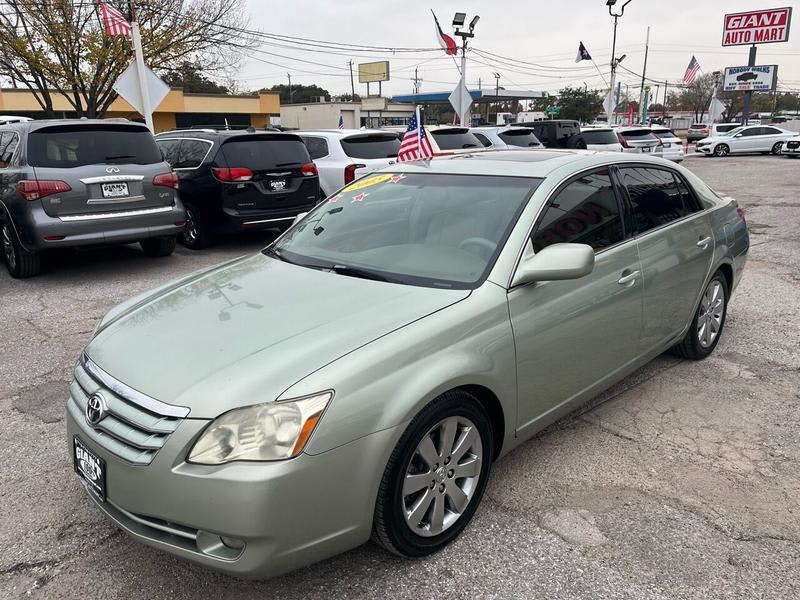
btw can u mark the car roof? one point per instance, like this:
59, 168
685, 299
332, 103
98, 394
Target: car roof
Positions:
625, 128
498, 127
44, 123
518, 163
339, 132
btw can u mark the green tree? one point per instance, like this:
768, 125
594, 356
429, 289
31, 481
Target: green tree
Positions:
579, 104
299, 93
189, 76
61, 46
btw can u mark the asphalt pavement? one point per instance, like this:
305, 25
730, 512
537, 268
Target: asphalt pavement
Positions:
683, 481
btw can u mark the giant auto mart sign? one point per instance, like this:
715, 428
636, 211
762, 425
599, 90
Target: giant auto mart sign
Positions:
757, 27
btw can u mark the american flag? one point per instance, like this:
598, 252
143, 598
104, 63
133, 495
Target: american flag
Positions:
415, 144
114, 20
341, 122
691, 71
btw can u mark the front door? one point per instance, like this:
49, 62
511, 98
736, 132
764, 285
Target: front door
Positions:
572, 335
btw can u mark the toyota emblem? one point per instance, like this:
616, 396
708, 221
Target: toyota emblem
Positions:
95, 409
112, 169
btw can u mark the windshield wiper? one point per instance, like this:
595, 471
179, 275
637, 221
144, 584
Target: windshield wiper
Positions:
357, 272
276, 254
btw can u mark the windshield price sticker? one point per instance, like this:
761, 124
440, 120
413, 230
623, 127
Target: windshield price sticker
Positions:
369, 181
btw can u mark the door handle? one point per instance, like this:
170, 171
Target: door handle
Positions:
630, 278
704, 242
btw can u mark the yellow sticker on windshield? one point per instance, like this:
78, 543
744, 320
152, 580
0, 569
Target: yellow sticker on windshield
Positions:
375, 179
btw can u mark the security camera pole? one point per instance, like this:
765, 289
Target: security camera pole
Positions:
458, 23
614, 60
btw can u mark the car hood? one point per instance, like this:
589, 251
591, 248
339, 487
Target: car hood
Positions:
245, 332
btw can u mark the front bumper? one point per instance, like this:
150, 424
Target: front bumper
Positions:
288, 513
794, 151
705, 149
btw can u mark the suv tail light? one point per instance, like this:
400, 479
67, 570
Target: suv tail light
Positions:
350, 172
167, 180
309, 169
232, 174
623, 141
740, 212
35, 189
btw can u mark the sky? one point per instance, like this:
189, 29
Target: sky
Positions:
546, 33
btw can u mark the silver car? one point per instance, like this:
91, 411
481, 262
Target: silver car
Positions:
359, 377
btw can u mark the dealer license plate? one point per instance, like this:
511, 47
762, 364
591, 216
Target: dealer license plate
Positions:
277, 185
646, 149
90, 468
115, 190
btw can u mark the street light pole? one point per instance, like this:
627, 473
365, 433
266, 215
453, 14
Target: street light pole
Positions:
614, 60
458, 23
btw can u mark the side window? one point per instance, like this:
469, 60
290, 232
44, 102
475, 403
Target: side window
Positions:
483, 140
170, 150
769, 131
317, 147
690, 202
8, 145
584, 212
192, 153
751, 131
655, 198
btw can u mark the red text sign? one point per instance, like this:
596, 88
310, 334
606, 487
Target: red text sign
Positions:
757, 27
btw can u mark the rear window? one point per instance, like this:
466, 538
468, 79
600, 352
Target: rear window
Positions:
372, 146
698, 126
72, 146
600, 137
524, 138
664, 133
262, 153
638, 135
455, 139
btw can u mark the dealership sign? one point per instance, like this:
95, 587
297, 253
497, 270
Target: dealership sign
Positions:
761, 78
757, 27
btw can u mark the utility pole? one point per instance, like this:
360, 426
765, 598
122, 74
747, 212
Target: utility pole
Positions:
749, 95
458, 23
496, 96
289, 75
352, 83
614, 60
664, 105
141, 70
643, 109
417, 81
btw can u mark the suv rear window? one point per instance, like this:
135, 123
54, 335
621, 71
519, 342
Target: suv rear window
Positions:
639, 135
455, 139
70, 146
599, 137
265, 152
519, 137
698, 126
380, 145
664, 133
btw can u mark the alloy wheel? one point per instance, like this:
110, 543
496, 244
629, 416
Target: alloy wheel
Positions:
776, 147
8, 247
190, 229
709, 319
442, 476
721, 150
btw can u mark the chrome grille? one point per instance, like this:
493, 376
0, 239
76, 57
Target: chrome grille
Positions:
134, 426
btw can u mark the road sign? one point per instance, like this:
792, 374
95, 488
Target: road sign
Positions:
757, 27
552, 111
460, 99
128, 87
373, 71
760, 78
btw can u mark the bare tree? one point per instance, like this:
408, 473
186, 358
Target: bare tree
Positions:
60, 46
697, 95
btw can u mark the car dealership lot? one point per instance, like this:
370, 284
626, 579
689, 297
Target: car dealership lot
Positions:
685, 482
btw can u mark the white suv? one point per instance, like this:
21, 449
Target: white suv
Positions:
671, 146
343, 155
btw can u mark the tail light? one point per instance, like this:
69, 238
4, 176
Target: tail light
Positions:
740, 212
232, 174
350, 172
623, 141
167, 180
309, 169
35, 189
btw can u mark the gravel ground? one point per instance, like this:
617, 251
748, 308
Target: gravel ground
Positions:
683, 481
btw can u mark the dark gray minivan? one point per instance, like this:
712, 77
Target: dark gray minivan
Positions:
81, 183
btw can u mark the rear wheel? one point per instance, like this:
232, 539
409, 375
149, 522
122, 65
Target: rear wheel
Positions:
722, 150
776, 147
196, 235
435, 477
20, 262
708, 322
158, 246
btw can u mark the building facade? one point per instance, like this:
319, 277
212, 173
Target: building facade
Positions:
325, 115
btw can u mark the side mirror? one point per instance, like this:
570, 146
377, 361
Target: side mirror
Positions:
554, 263
738, 135
298, 217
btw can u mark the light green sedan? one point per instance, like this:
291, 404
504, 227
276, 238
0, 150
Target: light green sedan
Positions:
359, 376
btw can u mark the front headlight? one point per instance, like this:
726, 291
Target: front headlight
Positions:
270, 431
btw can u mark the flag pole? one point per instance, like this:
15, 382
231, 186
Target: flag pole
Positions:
141, 70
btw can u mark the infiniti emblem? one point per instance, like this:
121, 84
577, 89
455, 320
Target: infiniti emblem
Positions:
112, 169
95, 409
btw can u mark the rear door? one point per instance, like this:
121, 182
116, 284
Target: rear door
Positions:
265, 171
675, 243
108, 168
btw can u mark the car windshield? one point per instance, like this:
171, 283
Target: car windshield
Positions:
600, 136
69, 146
426, 229
519, 137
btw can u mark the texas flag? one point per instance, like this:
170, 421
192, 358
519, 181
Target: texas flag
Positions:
445, 41
583, 53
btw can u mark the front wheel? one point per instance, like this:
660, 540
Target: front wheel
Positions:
435, 477
776, 148
708, 322
722, 150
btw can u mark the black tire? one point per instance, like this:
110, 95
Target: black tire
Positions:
776, 148
690, 346
390, 529
196, 234
20, 262
721, 150
158, 246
